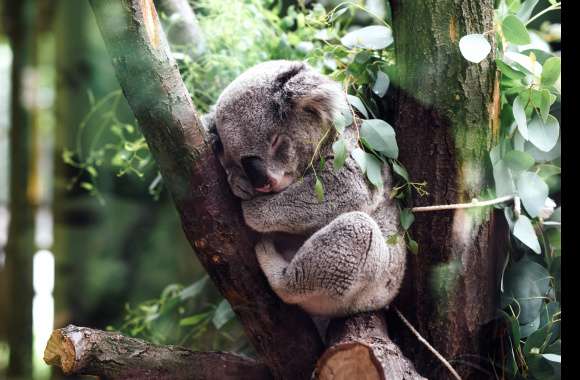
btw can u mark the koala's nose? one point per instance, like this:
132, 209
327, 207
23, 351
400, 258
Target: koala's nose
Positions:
256, 171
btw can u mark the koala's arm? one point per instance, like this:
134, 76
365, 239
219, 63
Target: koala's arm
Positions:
297, 209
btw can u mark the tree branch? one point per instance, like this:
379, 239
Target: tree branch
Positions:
210, 215
360, 348
84, 351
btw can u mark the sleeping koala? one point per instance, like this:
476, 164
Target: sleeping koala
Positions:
329, 257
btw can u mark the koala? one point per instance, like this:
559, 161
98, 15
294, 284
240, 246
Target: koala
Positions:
330, 257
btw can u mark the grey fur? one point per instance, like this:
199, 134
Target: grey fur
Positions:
342, 263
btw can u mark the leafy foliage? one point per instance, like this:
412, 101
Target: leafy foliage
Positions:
525, 162
184, 317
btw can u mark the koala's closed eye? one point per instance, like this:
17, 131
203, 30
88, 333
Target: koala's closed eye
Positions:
281, 148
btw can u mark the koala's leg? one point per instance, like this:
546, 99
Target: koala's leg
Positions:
343, 268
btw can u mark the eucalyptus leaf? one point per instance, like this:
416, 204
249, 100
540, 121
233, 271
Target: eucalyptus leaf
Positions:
524, 231
515, 31
551, 71
374, 37
518, 109
474, 47
509, 71
504, 182
223, 314
358, 104
518, 161
526, 9
381, 84
544, 135
401, 171
340, 152
533, 191
360, 157
374, 170
527, 282
339, 123
380, 136
413, 246
407, 218
319, 190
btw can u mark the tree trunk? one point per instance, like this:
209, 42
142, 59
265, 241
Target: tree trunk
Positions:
80, 350
446, 120
210, 215
20, 245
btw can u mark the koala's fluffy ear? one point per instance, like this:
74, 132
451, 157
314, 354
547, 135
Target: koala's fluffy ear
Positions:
209, 123
302, 89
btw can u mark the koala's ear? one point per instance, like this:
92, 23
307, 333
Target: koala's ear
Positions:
209, 123
302, 89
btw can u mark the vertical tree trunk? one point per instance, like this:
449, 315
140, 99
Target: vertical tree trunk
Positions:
20, 244
446, 121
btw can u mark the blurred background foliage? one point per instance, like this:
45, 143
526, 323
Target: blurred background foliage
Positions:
94, 219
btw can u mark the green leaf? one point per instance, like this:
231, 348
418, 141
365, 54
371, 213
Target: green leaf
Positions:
194, 289
193, 320
543, 100
362, 56
358, 104
524, 231
508, 71
518, 109
381, 84
374, 37
319, 190
526, 9
515, 31
401, 171
87, 186
223, 314
339, 149
392, 240
347, 115
374, 170
360, 157
533, 191
413, 246
407, 218
527, 282
518, 161
504, 183
546, 171
551, 71
339, 123
544, 135
380, 136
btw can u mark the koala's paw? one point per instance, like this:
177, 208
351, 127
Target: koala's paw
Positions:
241, 187
265, 253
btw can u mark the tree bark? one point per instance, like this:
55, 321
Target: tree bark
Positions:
446, 121
360, 348
80, 350
211, 216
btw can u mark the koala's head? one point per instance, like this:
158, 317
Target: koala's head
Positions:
269, 122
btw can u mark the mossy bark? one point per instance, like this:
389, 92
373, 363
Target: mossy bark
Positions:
446, 120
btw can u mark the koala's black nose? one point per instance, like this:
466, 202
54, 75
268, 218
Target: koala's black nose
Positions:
256, 170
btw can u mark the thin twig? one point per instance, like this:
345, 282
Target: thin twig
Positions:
429, 347
473, 204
